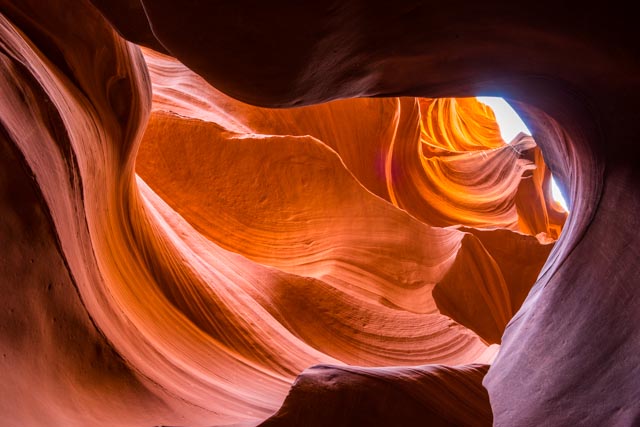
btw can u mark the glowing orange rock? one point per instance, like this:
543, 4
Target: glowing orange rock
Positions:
254, 243
574, 81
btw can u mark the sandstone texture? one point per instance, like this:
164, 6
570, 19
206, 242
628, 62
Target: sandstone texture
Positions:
297, 214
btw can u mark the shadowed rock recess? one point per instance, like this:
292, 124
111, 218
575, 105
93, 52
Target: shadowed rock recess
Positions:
298, 214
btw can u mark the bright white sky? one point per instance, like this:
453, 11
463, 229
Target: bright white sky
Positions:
510, 125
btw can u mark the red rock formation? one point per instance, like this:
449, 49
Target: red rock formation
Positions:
256, 243
433, 395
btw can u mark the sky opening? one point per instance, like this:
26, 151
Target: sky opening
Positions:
510, 125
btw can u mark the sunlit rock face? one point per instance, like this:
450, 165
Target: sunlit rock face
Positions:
175, 256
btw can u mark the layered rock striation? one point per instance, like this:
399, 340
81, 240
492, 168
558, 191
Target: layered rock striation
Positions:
175, 256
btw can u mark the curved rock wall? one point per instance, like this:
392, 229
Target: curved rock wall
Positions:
255, 243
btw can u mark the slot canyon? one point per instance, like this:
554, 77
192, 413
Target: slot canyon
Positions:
303, 214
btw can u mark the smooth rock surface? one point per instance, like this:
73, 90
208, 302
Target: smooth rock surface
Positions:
367, 236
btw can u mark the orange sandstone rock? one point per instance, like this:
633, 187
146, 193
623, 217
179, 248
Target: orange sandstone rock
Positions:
179, 257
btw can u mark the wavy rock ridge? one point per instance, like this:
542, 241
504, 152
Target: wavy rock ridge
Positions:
179, 257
